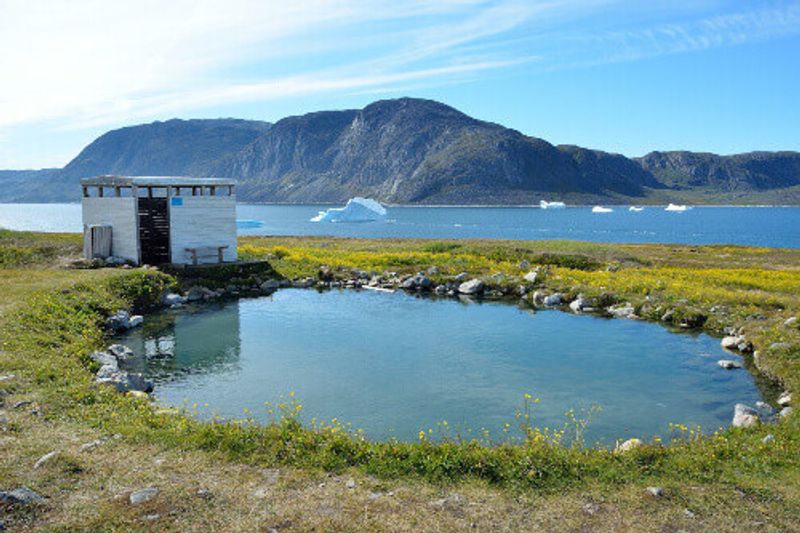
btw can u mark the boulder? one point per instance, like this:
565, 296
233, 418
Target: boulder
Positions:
655, 492
195, 294
170, 299
621, 311
104, 358
580, 304
786, 411
270, 286
305, 283
461, 277
471, 287
107, 371
785, 399
141, 496
119, 321
744, 416
538, 297
629, 445
127, 381
552, 300
120, 352
727, 364
433, 271
20, 496
531, 276
731, 342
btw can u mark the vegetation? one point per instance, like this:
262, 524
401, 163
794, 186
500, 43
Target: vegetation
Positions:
731, 480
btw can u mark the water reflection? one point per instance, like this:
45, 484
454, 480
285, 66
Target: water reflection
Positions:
172, 345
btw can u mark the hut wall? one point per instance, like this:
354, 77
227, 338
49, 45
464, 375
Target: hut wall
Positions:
202, 222
120, 213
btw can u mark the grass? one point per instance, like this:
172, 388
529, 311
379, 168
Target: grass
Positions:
53, 319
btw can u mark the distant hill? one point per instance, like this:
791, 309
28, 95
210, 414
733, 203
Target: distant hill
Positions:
407, 151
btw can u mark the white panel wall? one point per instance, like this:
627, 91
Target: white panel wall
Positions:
120, 214
202, 222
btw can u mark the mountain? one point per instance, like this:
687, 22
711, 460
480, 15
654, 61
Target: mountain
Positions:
407, 151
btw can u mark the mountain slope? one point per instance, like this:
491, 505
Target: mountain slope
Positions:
407, 151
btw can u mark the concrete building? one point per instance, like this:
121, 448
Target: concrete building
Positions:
158, 220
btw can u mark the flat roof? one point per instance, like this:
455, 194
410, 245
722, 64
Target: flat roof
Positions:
154, 181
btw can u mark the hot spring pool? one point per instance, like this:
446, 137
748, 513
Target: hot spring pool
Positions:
395, 364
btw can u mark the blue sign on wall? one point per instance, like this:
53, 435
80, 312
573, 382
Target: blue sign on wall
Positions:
177, 200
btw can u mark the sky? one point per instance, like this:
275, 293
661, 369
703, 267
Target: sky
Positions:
622, 76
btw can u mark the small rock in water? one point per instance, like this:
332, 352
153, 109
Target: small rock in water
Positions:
44, 459
655, 492
143, 495
727, 364
731, 342
120, 351
20, 496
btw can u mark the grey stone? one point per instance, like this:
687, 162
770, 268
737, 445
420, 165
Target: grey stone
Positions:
785, 399
351, 483
44, 459
778, 346
731, 342
107, 371
744, 416
119, 321
433, 271
552, 300
655, 492
580, 304
791, 322
170, 299
769, 438
104, 358
623, 311
135, 321
22, 403
461, 277
628, 445
120, 352
786, 411
141, 496
727, 364
471, 287
531, 276
270, 286
7, 377
20, 496
538, 297
305, 283
195, 294
127, 382
91, 445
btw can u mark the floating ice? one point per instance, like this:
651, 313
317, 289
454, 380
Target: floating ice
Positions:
601, 209
357, 210
635, 208
552, 205
673, 207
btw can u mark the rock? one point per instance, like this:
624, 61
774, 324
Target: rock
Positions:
104, 358
531, 276
731, 342
89, 446
119, 321
351, 483
688, 514
325, 273
623, 311
655, 492
778, 346
580, 304
433, 271
471, 287
22, 403
744, 416
440, 290
195, 294
769, 438
305, 283
44, 459
785, 399
170, 299
270, 286
791, 322
765, 410
552, 300
126, 382
120, 351
135, 321
591, 508
449, 501
461, 277
538, 297
141, 395
786, 411
20, 496
668, 316
107, 371
628, 445
727, 364
7, 377
143, 495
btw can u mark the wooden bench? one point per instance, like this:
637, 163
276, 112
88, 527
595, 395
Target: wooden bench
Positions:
217, 252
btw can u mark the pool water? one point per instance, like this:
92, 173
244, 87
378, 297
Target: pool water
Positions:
395, 364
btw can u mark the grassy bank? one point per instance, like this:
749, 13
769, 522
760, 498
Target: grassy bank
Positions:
54, 318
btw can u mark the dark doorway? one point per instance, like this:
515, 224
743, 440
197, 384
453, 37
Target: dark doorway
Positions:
154, 231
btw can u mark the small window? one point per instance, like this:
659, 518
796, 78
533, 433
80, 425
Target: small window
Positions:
144, 192
125, 192
159, 192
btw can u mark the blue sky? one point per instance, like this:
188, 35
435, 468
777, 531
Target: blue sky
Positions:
622, 76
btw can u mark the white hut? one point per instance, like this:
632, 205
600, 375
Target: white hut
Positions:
158, 220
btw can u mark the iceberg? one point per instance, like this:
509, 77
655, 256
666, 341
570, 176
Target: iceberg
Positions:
552, 205
635, 208
601, 209
357, 210
673, 207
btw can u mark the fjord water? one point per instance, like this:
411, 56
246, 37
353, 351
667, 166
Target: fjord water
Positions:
395, 364
757, 226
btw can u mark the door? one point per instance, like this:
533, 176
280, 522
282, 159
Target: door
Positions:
154, 231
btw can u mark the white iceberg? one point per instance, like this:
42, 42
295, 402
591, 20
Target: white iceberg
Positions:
552, 205
635, 208
357, 210
673, 207
601, 209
